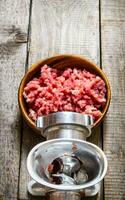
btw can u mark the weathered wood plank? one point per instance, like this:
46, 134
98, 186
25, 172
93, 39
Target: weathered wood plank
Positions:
13, 38
113, 60
60, 27
29, 140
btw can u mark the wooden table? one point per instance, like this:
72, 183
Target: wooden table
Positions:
35, 29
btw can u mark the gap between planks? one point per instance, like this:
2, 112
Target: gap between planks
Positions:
55, 24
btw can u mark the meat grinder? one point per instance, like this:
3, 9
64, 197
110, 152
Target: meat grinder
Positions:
66, 166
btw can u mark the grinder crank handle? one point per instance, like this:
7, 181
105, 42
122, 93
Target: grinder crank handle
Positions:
70, 195
36, 189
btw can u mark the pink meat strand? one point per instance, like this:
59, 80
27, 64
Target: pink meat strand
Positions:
69, 90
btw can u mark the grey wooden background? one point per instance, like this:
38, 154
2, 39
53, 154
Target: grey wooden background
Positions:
35, 29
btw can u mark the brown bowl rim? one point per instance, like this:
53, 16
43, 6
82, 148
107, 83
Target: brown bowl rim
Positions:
35, 65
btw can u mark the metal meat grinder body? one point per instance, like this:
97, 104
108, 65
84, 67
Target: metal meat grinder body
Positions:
66, 166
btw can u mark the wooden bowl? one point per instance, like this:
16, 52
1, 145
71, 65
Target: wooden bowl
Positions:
61, 62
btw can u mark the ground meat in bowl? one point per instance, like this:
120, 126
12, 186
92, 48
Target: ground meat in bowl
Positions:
68, 90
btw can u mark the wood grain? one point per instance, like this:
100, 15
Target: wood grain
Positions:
113, 60
60, 27
13, 38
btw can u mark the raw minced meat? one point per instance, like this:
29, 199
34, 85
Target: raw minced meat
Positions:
68, 90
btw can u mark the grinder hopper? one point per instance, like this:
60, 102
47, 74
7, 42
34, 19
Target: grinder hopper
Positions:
81, 165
